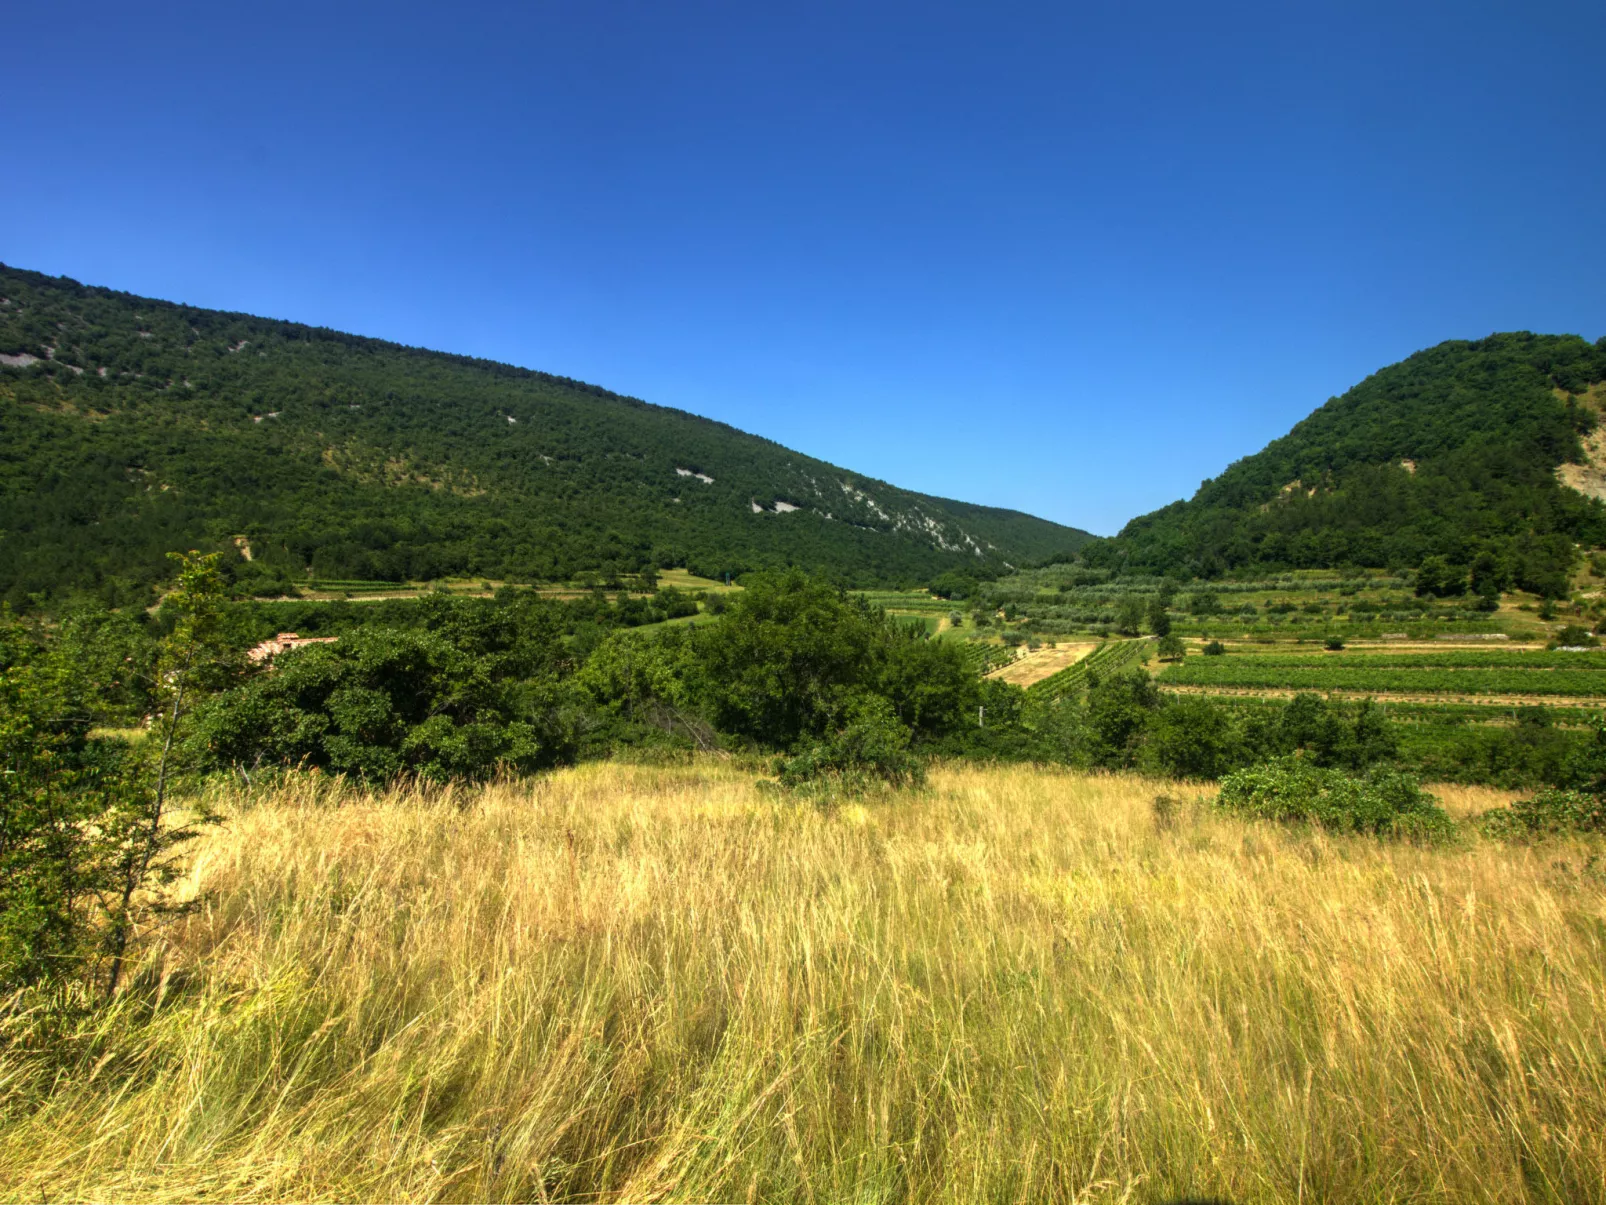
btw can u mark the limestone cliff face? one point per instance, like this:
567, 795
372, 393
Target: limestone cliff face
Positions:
1589, 476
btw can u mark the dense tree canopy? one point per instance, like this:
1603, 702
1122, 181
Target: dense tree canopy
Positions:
1451, 453
131, 427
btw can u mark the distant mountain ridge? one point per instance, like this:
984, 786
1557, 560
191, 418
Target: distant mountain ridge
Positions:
1463, 451
133, 426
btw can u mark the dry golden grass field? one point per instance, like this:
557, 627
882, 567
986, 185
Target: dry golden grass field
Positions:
651, 984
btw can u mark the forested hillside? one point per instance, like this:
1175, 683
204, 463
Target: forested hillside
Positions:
1452, 453
130, 427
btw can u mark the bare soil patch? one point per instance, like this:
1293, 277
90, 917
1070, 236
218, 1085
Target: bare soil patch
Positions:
1044, 663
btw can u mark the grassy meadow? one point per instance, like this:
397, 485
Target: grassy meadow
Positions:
625, 983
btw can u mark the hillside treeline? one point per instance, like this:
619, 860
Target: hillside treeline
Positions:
446, 687
1450, 454
130, 426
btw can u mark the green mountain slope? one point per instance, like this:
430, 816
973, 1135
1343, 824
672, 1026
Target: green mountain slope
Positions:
1453, 452
129, 427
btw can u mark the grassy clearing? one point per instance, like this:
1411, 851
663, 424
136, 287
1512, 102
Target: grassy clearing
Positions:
684, 579
625, 983
912, 606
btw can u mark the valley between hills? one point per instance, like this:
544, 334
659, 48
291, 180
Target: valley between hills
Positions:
427, 778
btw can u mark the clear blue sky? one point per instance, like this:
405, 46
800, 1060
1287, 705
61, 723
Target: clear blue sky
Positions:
1069, 258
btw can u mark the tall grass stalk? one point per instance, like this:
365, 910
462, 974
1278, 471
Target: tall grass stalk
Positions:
626, 983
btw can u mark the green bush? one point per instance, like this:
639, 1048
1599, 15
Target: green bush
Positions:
384, 702
1215, 649
1291, 790
1575, 637
87, 840
55, 788
792, 653
869, 747
1547, 813
1192, 738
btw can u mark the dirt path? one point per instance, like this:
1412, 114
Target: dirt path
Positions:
1044, 663
1384, 696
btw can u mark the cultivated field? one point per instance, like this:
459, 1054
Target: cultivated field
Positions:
642, 984
1444, 671
912, 606
1443, 678
1299, 605
1440, 665
1111, 657
1044, 663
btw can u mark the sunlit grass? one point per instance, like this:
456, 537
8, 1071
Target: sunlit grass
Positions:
627, 983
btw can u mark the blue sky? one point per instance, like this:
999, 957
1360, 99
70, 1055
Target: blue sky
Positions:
1067, 258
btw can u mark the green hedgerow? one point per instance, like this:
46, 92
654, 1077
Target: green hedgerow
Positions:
869, 746
1383, 803
1547, 813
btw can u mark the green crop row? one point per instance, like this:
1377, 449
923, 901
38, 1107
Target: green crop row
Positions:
900, 601
1111, 657
1508, 658
982, 658
324, 583
1253, 672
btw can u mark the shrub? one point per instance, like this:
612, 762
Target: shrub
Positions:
87, 840
1439, 577
1292, 790
1119, 710
1547, 813
870, 746
384, 702
1192, 738
1129, 613
1334, 644
52, 795
1574, 636
1215, 649
1159, 620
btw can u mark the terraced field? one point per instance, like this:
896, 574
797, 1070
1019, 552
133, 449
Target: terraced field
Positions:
1060, 600
1043, 663
1111, 657
907, 601
985, 658
919, 606
1452, 673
